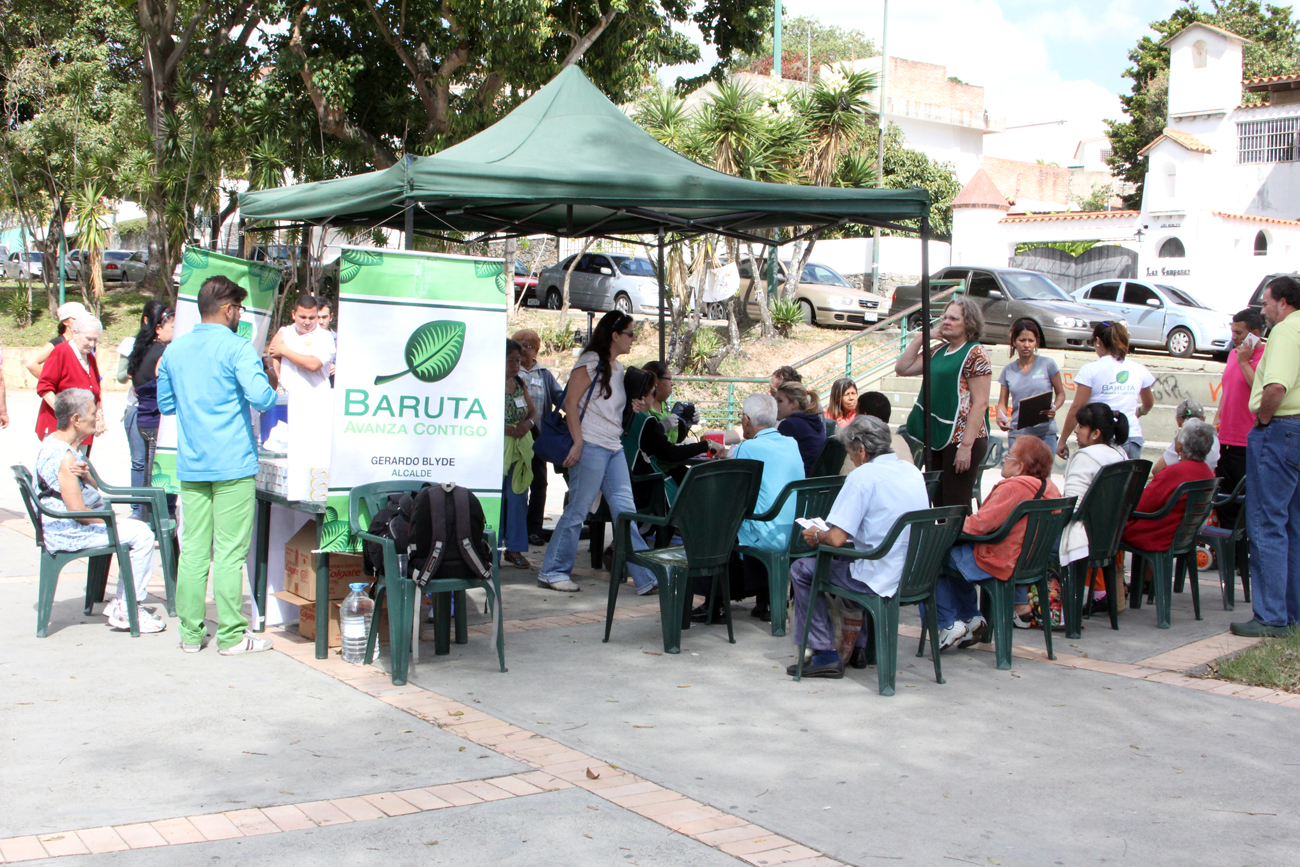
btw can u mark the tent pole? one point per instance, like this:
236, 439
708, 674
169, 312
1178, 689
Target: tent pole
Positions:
410, 224
662, 335
925, 340
243, 250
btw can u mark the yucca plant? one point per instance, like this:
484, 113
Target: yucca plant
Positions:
786, 314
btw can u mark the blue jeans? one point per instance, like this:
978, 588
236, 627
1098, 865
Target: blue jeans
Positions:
514, 517
1273, 520
599, 471
821, 631
136, 443
955, 598
1133, 448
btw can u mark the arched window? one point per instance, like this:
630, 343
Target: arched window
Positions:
1200, 50
1172, 248
1261, 243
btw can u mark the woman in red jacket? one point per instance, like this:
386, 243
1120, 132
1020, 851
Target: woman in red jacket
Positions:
1025, 476
1194, 441
71, 365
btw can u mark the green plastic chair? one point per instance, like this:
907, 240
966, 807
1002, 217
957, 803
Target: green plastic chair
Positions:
830, 425
163, 526
52, 562
992, 457
713, 500
1044, 521
813, 499
917, 447
1181, 550
933, 532
1104, 510
932, 480
830, 460
1224, 541
400, 592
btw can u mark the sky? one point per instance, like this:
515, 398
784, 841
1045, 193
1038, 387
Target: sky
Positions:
1039, 61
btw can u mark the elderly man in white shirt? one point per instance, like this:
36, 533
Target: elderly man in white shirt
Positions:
875, 495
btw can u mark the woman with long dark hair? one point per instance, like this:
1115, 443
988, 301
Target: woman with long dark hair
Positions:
593, 408
155, 333
1028, 375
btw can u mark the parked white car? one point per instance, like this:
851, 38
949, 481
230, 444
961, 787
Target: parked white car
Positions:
600, 281
23, 265
1161, 316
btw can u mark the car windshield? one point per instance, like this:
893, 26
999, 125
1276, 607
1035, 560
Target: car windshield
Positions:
1028, 286
34, 257
813, 273
116, 255
635, 267
1181, 297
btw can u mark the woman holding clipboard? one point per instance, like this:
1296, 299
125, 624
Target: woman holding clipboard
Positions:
1033, 378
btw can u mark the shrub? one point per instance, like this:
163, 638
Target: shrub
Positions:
786, 314
557, 340
705, 344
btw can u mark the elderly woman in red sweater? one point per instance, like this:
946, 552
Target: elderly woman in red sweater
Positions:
1025, 476
71, 365
1194, 441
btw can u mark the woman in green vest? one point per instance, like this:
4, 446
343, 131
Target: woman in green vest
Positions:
960, 377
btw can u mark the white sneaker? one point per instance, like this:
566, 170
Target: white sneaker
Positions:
977, 631
950, 636
562, 586
149, 623
249, 644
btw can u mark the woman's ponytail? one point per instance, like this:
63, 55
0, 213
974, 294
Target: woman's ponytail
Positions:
1121, 428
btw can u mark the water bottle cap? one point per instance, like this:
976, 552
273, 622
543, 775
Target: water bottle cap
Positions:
357, 588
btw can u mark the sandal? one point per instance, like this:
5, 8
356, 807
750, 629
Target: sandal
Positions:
514, 558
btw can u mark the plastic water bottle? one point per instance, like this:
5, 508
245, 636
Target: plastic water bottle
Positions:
354, 622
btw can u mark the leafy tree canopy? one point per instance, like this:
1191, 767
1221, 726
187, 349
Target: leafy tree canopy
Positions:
829, 44
1274, 49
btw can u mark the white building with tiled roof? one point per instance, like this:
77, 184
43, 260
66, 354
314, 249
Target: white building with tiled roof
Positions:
1221, 202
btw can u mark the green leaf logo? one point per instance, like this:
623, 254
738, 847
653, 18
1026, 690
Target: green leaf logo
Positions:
268, 279
432, 351
355, 260
331, 513
1121, 377
484, 270
195, 257
185, 274
335, 536
245, 330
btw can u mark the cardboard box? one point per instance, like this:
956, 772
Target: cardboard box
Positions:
300, 567
307, 619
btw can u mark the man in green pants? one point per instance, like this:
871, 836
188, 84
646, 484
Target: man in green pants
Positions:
209, 379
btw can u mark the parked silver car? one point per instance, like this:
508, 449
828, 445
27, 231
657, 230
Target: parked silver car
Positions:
600, 281
133, 266
1161, 316
110, 265
22, 265
1008, 294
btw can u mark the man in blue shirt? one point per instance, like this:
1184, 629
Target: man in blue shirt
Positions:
209, 379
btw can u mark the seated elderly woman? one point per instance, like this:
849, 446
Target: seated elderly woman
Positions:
1188, 409
782, 464
1025, 476
63, 482
875, 495
1195, 438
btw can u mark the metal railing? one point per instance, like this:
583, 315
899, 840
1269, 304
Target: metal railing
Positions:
718, 401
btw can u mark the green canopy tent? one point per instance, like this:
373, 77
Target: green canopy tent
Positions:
568, 162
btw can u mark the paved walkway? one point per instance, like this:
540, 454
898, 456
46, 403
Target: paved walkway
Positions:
120, 749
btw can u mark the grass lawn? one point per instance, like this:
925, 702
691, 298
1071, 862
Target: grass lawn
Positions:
1273, 663
121, 314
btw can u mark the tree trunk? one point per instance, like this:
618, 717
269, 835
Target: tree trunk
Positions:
759, 291
509, 277
568, 272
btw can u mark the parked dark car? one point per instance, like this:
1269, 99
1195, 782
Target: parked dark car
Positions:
1257, 297
1008, 294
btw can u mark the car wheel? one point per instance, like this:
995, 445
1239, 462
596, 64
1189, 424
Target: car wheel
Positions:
554, 300
716, 310
809, 318
1180, 343
915, 322
622, 303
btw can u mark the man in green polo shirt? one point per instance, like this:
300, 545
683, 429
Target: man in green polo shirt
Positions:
1273, 470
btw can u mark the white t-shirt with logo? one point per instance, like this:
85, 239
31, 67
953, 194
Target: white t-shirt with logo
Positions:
1118, 384
318, 342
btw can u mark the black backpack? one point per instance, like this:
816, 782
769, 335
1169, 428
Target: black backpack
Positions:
391, 522
446, 535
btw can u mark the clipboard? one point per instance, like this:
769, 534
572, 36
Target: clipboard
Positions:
1033, 409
